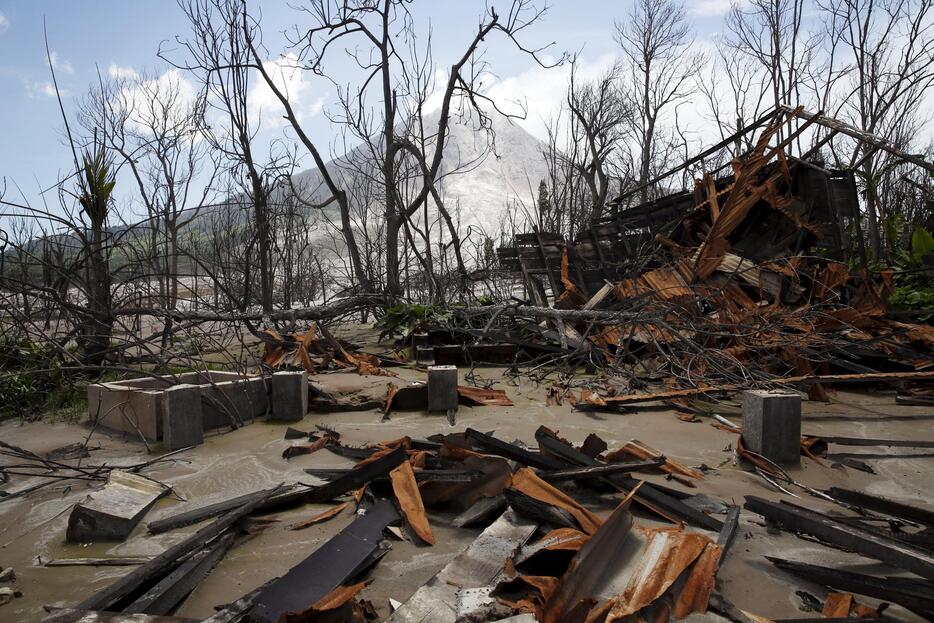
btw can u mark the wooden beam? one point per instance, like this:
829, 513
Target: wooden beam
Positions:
861, 135
162, 564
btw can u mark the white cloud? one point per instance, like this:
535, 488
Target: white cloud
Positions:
63, 66
538, 93
541, 92
710, 8
120, 72
262, 103
146, 99
4, 22
43, 89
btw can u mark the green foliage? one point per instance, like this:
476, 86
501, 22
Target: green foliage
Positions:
913, 298
922, 244
914, 288
32, 381
97, 187
401, 320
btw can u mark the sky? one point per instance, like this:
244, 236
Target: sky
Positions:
121, 37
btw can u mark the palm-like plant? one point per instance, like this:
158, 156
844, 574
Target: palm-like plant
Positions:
97, 187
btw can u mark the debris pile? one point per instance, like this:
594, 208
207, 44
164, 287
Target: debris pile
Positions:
317, 350
543, 552
741, 283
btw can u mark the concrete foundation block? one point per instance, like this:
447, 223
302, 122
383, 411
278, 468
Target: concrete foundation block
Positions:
425, 355
442, 388
772, 425
182, 417
289, 396
111, 513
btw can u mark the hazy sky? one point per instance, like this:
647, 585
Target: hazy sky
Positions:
114, 36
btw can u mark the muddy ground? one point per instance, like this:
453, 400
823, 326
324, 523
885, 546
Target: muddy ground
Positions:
32, 530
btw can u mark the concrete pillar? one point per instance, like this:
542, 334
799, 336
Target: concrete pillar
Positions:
182, 420
425, 355
289, 396
442, 388
772, 425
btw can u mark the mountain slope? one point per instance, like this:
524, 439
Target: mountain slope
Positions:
478, 194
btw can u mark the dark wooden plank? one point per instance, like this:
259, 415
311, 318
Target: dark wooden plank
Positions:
170, 591
892, 589
845, 536
334, 563
300, 494
492, 445
422, 475
356, 478
169, 559
596, 471
647, 495
728, 533
882, 505
196, 515
538, 511
483, 511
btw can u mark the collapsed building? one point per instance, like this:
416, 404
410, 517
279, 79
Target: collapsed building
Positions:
746, 278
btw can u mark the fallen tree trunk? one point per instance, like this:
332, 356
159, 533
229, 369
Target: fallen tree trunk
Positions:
320, 312
594, 317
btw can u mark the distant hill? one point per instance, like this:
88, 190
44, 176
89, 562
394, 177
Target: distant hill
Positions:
478, 196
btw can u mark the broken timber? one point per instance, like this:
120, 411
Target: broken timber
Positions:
882, 505
168, 560
339, 560
869, 377
481, 511
908, 593
171, 590
300, 494
853, 538
422, 475
492, 445
196, 515
649, 495
596, 471
539, 511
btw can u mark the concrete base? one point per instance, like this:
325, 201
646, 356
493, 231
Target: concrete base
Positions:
182, 419
442, 388
772, 425
289, 396
111, 513
134, 406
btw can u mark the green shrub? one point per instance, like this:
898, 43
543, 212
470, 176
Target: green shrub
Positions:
401, 320
32, 381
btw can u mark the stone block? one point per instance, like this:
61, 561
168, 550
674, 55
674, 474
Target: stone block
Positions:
182, 417
289, 396
111, 513
772, 425
442, 388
